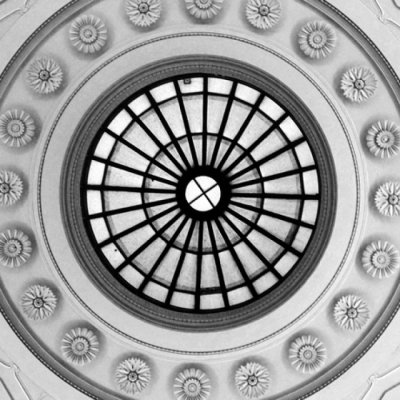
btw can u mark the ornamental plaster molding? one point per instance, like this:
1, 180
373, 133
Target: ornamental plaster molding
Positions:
351, 312
143, 13
383, 139
15, 248
133, 375
4, 392
204, 9
358, 84
16, 372
44, 75
388, 12
80, 346
263, 14
38, 302
252, 380
23, 8
383, 383
17, 128
317, 39
192, 384
16, 385
387, 199
307, 354
11, 188
88, 34
380, 259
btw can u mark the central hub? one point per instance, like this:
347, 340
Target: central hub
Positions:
203, 193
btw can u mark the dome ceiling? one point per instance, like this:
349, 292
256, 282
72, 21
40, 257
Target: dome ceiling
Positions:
199, 199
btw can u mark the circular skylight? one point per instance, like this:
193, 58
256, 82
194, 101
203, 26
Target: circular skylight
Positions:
201, 193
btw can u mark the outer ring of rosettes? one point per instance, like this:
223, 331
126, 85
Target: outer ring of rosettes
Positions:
94, 263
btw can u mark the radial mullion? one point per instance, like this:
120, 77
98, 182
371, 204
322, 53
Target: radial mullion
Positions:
256, 143
167, 248
205, 121
148, 242
154, 138
282, 196
115, 188
168, 130
126, 130
224, 122
133, 171
199, 266
186, 123
239, 264
140, 225
142, 153
181, 260
263, 231
241, 131
302, 188
273, 215
103, 201
138, 207
274, 177
268, 158
218, 266
253, 248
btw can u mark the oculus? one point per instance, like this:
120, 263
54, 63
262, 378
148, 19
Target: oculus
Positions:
202, 194
207, 201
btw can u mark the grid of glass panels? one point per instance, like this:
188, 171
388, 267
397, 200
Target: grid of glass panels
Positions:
141, 213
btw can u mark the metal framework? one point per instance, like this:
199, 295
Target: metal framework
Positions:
150, 236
